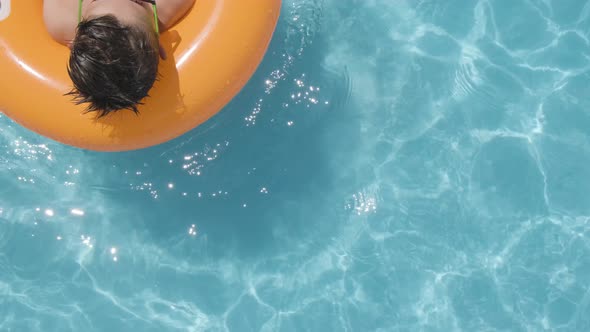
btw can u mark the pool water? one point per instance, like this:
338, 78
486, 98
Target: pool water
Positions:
392, 166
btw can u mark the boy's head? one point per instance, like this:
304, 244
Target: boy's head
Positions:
113, 63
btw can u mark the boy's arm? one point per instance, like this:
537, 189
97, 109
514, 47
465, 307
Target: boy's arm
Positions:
170, 11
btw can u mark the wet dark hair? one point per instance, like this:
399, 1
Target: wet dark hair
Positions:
112, 66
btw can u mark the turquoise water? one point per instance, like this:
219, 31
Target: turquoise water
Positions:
392, 166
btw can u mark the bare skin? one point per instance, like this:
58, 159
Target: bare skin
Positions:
61, 16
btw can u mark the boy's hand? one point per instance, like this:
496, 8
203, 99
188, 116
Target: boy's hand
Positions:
163, 54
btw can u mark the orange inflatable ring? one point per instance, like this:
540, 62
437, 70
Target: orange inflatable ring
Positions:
212, 52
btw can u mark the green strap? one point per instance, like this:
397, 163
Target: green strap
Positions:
155, 19
80, 11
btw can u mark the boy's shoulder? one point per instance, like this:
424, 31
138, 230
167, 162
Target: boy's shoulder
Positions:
170, 11
61, 19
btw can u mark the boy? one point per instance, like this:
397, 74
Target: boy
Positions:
114, 47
